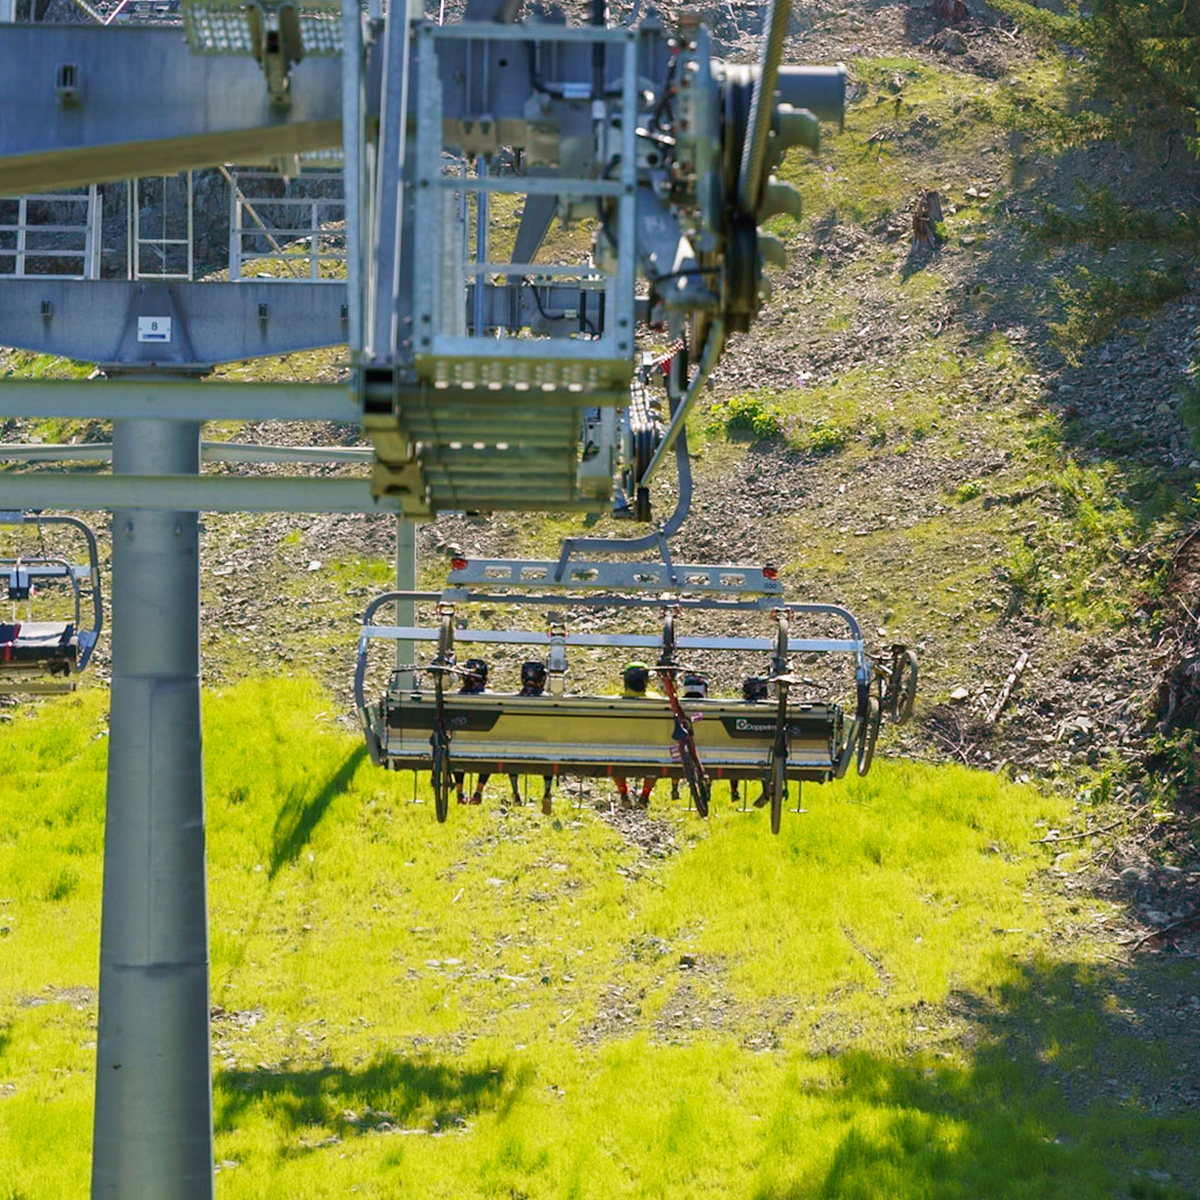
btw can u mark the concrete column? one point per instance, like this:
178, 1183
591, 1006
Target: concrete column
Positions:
153, 1123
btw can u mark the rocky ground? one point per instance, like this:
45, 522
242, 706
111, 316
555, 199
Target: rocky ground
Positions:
916, 532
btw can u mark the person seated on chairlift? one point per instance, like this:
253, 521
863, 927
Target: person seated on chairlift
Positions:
695, 686
475, 677
754, 690
636, 679
533, 683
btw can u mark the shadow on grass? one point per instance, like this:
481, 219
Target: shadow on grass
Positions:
301, 813
1082, 1081
343, 1102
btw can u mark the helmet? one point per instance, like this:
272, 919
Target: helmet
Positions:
533, 674
695, 686
475, 673
754, 688
636, 676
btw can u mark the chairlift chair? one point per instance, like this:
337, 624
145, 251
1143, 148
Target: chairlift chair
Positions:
417, 724
47, 656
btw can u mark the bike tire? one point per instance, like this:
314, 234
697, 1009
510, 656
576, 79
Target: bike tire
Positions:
869, 735
697, 781
778, 791
903, 687
439, 777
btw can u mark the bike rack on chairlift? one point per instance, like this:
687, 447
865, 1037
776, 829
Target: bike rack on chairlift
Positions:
48, 656
422, 729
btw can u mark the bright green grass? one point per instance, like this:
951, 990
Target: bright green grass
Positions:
867, 1007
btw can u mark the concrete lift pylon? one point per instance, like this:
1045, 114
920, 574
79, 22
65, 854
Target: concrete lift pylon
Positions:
424, 366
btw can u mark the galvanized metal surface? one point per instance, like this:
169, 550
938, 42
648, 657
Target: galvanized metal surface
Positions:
97, 321
175, 399
597, 575
153, 1114
44, 145
636, 641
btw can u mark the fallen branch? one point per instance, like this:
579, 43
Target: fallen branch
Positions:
1074, 837
1192, 918
957, 747
1007, 690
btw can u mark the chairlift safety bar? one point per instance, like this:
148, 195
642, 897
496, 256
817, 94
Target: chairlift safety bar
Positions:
645, 641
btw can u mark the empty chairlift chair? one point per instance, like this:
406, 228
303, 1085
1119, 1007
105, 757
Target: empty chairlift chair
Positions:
47, 655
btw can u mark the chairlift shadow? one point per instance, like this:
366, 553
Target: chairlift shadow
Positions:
300, 815
1053, 1063
390, 1088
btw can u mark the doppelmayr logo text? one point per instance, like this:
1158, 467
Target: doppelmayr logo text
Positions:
745, 725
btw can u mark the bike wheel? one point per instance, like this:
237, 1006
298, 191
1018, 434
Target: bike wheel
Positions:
439, 776
868, 735
697, 781
778, 790
902, 687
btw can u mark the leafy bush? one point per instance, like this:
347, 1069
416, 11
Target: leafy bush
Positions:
1137, 60
1189, 410
1105, 221
969, 490
1094, 303
827, 439
1024, 569
746, 414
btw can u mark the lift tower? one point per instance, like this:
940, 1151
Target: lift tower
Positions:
483, 381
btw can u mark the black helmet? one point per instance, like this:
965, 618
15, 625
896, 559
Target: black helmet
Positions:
754, 688
636, 676
475, 673
695, 686
533, 674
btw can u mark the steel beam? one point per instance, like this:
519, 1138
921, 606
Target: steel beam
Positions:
242, 493
153, 1118
205, 110
177, 399
406, 581
208, 493
97, 320
215, 452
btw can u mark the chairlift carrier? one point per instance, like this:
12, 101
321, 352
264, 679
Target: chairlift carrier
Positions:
48, 656
419, 727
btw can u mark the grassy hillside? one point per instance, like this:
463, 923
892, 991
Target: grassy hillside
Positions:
984, 446
874, 1003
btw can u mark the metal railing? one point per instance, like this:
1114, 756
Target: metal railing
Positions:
291, 237
51, 233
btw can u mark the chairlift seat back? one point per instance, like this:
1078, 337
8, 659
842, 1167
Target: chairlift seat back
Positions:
604, 735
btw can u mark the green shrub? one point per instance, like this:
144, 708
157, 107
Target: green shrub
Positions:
746, 414
1024, 569
1189, 410
1105, 221
1094, 303
969, 490
827, 439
